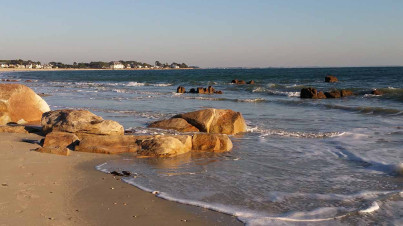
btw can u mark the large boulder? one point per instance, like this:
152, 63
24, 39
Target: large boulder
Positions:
113, 144
211, 142
79, 121
181, 89
213, 120
165, 146
178, 124
20, 104
333, 94
238, 82
331, 78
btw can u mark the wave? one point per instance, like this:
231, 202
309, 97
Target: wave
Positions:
250, 217
297, 134
367, 109
276, 92
135, 84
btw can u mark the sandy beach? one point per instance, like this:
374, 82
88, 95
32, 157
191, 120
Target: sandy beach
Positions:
46, 189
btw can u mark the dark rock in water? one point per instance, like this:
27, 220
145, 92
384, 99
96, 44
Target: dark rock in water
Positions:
181, 89
331, 78
200, 90
238, 82
126, 173
376, 92
251, 82
339, 93
210, 89
115, 173
308, 93
333, 94
29, 80
321, 95
346, 93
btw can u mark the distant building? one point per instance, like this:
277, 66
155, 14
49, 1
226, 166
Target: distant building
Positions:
20, 66
174, 66
128, 66
37, 66
3, 65
28, 66
47, 66
139, 66
117, 65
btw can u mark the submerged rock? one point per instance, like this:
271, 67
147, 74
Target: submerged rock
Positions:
211, 142
79, 121
238, 82
331, 78
251, 82
20, 104
339, 93
377, 92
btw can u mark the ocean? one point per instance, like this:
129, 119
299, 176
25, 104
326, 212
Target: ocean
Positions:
302, 161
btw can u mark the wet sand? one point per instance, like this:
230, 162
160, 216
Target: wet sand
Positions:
45, 189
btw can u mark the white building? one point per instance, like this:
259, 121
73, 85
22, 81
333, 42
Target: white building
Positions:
117, 65
3, 65
128, 66
37, 66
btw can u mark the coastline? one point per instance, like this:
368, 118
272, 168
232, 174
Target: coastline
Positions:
46, 189
89, 69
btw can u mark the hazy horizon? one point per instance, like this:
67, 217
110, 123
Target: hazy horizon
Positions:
206, 34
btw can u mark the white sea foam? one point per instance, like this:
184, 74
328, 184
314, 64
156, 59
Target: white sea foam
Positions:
135, 84
374, 207
162, 84
297, 134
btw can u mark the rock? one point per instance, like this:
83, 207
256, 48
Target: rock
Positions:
181, 89
79, 121
20, 104
211, 142
376, 92
251, 82
331, 78
192, 90
339, 93
200, 90
29, 80
218, 92
165, 146
60, 139
55, 150
216, 120
346, 93
333, 94
321, 95
178, 124
308, 93
238, 82
13, 129
112, 144
210, 89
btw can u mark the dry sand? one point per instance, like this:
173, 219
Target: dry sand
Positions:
46, 189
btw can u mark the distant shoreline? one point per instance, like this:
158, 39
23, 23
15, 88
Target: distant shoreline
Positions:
89, 69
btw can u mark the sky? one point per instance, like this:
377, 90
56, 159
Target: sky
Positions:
206, 33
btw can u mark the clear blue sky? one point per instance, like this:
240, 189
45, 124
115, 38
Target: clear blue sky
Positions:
206, 33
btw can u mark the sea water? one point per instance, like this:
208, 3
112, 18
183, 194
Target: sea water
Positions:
302, 161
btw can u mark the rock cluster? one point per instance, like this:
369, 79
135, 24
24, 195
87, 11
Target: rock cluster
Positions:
199, 90
20, 104
242, 82
312, 93
331, 78
224, 121
82, 131
377, 92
